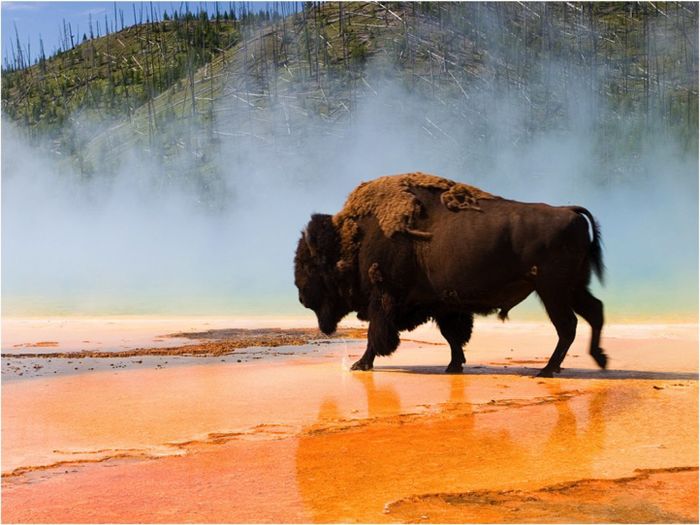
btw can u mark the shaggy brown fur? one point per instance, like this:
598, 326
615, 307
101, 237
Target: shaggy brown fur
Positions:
391, 200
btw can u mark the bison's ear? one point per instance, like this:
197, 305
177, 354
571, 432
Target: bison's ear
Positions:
322, 238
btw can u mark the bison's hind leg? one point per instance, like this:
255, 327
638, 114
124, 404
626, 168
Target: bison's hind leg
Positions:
600, 357
456, 328
557, 304
591, 309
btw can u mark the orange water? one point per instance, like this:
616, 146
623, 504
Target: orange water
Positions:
307, 440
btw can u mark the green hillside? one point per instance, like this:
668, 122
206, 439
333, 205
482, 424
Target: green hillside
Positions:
113, 75
187, 86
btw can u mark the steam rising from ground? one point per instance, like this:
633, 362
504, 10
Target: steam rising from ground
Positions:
142, 242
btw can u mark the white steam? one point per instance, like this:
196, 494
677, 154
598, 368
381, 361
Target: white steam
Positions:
141, 242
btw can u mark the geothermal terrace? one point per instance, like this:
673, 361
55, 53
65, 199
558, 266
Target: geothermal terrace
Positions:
249, 420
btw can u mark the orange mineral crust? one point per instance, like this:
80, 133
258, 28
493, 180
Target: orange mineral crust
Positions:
306, 440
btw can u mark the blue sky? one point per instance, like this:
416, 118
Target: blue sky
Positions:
33, 19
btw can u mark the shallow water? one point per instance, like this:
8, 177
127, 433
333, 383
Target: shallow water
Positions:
304, 439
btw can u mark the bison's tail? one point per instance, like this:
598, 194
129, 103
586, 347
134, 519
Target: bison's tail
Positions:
596, 250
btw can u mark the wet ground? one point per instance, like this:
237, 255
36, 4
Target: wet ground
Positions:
299, 438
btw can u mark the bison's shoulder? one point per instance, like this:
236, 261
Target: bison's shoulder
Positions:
395, 200
399, 203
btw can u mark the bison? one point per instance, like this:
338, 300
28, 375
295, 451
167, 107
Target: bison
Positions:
409, 248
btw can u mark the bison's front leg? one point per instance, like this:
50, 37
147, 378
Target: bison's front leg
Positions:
382, 335
366, 362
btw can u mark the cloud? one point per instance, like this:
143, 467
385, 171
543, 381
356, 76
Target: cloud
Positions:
20, 6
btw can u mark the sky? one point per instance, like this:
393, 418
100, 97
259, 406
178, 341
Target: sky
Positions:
45, 19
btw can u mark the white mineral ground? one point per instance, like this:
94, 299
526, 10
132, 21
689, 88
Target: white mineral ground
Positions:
288, 434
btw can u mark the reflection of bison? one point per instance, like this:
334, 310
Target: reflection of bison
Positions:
449, 451
412, 247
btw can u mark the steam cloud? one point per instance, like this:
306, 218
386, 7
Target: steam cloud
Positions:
142, 243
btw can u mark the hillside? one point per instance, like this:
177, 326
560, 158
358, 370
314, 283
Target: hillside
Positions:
186, 87
113, 75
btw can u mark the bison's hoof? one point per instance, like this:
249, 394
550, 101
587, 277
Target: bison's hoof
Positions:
361, 365
600, 358
454, 368
546, 372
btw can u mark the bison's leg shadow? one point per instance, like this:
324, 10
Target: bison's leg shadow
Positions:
564, 320
591, 309
456, 328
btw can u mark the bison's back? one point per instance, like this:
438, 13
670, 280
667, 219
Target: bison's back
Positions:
504, 244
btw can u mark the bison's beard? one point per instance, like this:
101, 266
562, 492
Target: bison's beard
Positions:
328, 320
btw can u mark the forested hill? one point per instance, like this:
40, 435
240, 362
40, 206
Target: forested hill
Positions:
187, 83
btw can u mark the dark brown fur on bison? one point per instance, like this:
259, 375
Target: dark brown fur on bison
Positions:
418, 247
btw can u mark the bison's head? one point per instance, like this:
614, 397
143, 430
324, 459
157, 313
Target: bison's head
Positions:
316, 273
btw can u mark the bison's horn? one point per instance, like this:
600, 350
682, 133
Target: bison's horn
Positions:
419, 234
305, 235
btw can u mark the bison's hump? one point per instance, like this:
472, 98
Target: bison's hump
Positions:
390, 199
392, 202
